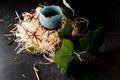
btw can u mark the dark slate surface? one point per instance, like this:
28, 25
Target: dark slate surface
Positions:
100, 13
20, 66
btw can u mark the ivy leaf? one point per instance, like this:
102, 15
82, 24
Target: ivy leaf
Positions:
32, 50
66, 31
67, 12
64, 56
92, 41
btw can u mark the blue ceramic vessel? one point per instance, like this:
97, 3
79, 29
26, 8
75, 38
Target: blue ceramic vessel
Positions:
50, 17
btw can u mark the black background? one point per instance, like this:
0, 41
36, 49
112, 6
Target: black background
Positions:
100, 13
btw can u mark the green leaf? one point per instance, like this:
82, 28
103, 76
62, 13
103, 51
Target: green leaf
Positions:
67, 12
32, 50
92, 41
64, 56
66, 31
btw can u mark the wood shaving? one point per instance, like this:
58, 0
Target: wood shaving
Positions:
32, 34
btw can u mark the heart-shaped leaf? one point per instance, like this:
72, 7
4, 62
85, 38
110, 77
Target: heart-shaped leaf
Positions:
66, 30
67, 12
92, 41
64, 56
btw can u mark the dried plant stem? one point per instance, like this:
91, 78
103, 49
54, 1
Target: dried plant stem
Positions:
18, 16
36, 72
84, 20
49, 59
34, 36
79, 55
44, 63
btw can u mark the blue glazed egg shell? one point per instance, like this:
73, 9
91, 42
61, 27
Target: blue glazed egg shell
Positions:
51, 22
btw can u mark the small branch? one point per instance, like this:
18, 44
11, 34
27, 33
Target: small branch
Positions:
18, 16
48, 58
83, 52
36, 72
79, 55
85, 20
44, 63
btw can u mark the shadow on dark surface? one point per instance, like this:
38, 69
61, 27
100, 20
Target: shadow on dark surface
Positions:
81, 71
99, 13
105, 66
108, 65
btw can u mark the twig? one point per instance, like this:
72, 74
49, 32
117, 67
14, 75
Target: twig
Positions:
33, 36
44, 63
85, 20
28, 34
36, 72
48, 58
18, 16
13, 30
78, 55
83, 52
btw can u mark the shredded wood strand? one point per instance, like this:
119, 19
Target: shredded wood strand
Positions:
32, 34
